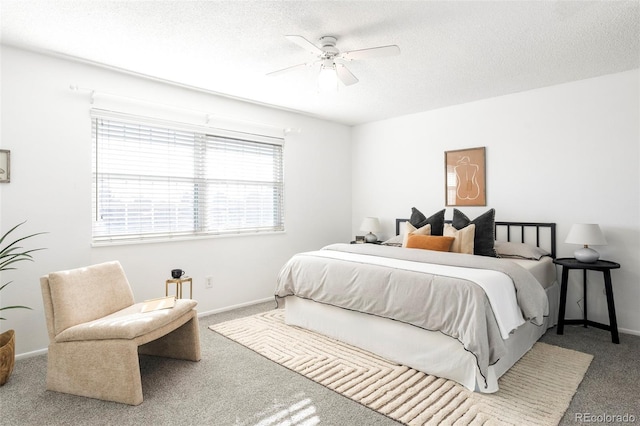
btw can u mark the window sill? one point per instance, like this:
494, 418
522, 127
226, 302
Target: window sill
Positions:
164, 240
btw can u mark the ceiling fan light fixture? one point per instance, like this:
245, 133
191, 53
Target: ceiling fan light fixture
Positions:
328, 78
326, 56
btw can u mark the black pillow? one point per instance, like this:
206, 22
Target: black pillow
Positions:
484, 239
436, 220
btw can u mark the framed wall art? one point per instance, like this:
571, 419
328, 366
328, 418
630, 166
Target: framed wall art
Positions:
5, 166
465, 175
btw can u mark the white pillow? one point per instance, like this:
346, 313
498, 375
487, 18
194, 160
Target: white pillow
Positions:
394, 241
519, 250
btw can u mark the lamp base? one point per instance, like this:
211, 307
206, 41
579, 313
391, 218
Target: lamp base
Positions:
370, 238
586, 255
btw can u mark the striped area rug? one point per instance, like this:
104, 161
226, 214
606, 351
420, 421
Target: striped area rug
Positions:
536, 391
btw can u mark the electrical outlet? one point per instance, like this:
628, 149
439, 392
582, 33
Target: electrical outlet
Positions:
209, 282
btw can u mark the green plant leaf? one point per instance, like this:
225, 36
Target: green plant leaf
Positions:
13, 253
5, 284
13, 307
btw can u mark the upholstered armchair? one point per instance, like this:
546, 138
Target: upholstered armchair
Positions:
96, 332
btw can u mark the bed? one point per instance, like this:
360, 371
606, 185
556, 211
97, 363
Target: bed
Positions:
458, 316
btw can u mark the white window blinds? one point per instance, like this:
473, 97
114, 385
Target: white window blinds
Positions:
157, 180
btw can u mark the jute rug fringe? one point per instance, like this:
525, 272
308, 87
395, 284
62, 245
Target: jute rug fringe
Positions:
536, 391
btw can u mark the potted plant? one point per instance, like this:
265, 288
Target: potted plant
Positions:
10, 254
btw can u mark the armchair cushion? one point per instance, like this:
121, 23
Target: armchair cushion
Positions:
86, 294
127, 323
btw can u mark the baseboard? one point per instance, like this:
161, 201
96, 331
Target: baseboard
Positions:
241, 305
31, 354
627, 331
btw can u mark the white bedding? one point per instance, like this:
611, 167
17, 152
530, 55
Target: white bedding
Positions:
497, 285
452, 306
544, 270
430, 351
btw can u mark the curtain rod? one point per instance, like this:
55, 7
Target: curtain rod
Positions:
208, 116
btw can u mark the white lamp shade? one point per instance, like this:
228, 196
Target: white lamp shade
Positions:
370, 224
586, 234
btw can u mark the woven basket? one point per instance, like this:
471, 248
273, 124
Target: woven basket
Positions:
7, 355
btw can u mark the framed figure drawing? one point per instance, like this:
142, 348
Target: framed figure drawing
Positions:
5, 165
464, 178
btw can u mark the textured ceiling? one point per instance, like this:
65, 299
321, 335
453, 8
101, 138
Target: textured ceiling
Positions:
452, 52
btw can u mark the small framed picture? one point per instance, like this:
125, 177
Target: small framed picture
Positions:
5, 166
359, 239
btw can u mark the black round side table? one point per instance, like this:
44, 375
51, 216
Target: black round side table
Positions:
603, 266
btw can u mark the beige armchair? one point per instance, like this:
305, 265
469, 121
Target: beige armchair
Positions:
96, 332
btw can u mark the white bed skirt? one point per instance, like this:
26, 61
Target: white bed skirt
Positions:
429, 351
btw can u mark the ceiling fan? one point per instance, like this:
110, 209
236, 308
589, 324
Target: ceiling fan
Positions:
332, 61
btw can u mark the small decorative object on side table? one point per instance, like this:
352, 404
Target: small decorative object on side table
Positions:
603, 266
365, 242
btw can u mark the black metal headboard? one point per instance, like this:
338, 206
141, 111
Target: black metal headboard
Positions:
520, 232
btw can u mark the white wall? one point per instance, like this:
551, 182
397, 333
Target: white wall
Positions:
47, 128
565, 154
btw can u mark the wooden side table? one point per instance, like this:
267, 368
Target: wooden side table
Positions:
178, 282
603, 266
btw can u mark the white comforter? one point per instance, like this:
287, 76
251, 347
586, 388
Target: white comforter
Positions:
498, 286
474, 299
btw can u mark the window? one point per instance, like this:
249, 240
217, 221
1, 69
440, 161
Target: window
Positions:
154, 179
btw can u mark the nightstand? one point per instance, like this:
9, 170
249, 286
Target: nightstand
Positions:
603, 266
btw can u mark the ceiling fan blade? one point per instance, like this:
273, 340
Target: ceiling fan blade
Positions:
345, 76
286, 70
305, 44
373, 52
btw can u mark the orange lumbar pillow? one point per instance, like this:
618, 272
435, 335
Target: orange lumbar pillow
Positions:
411, 230
429, 242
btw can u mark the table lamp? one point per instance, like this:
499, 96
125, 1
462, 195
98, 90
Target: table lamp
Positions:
370, 225
586, 234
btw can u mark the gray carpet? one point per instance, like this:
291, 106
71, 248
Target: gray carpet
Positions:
233, 385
